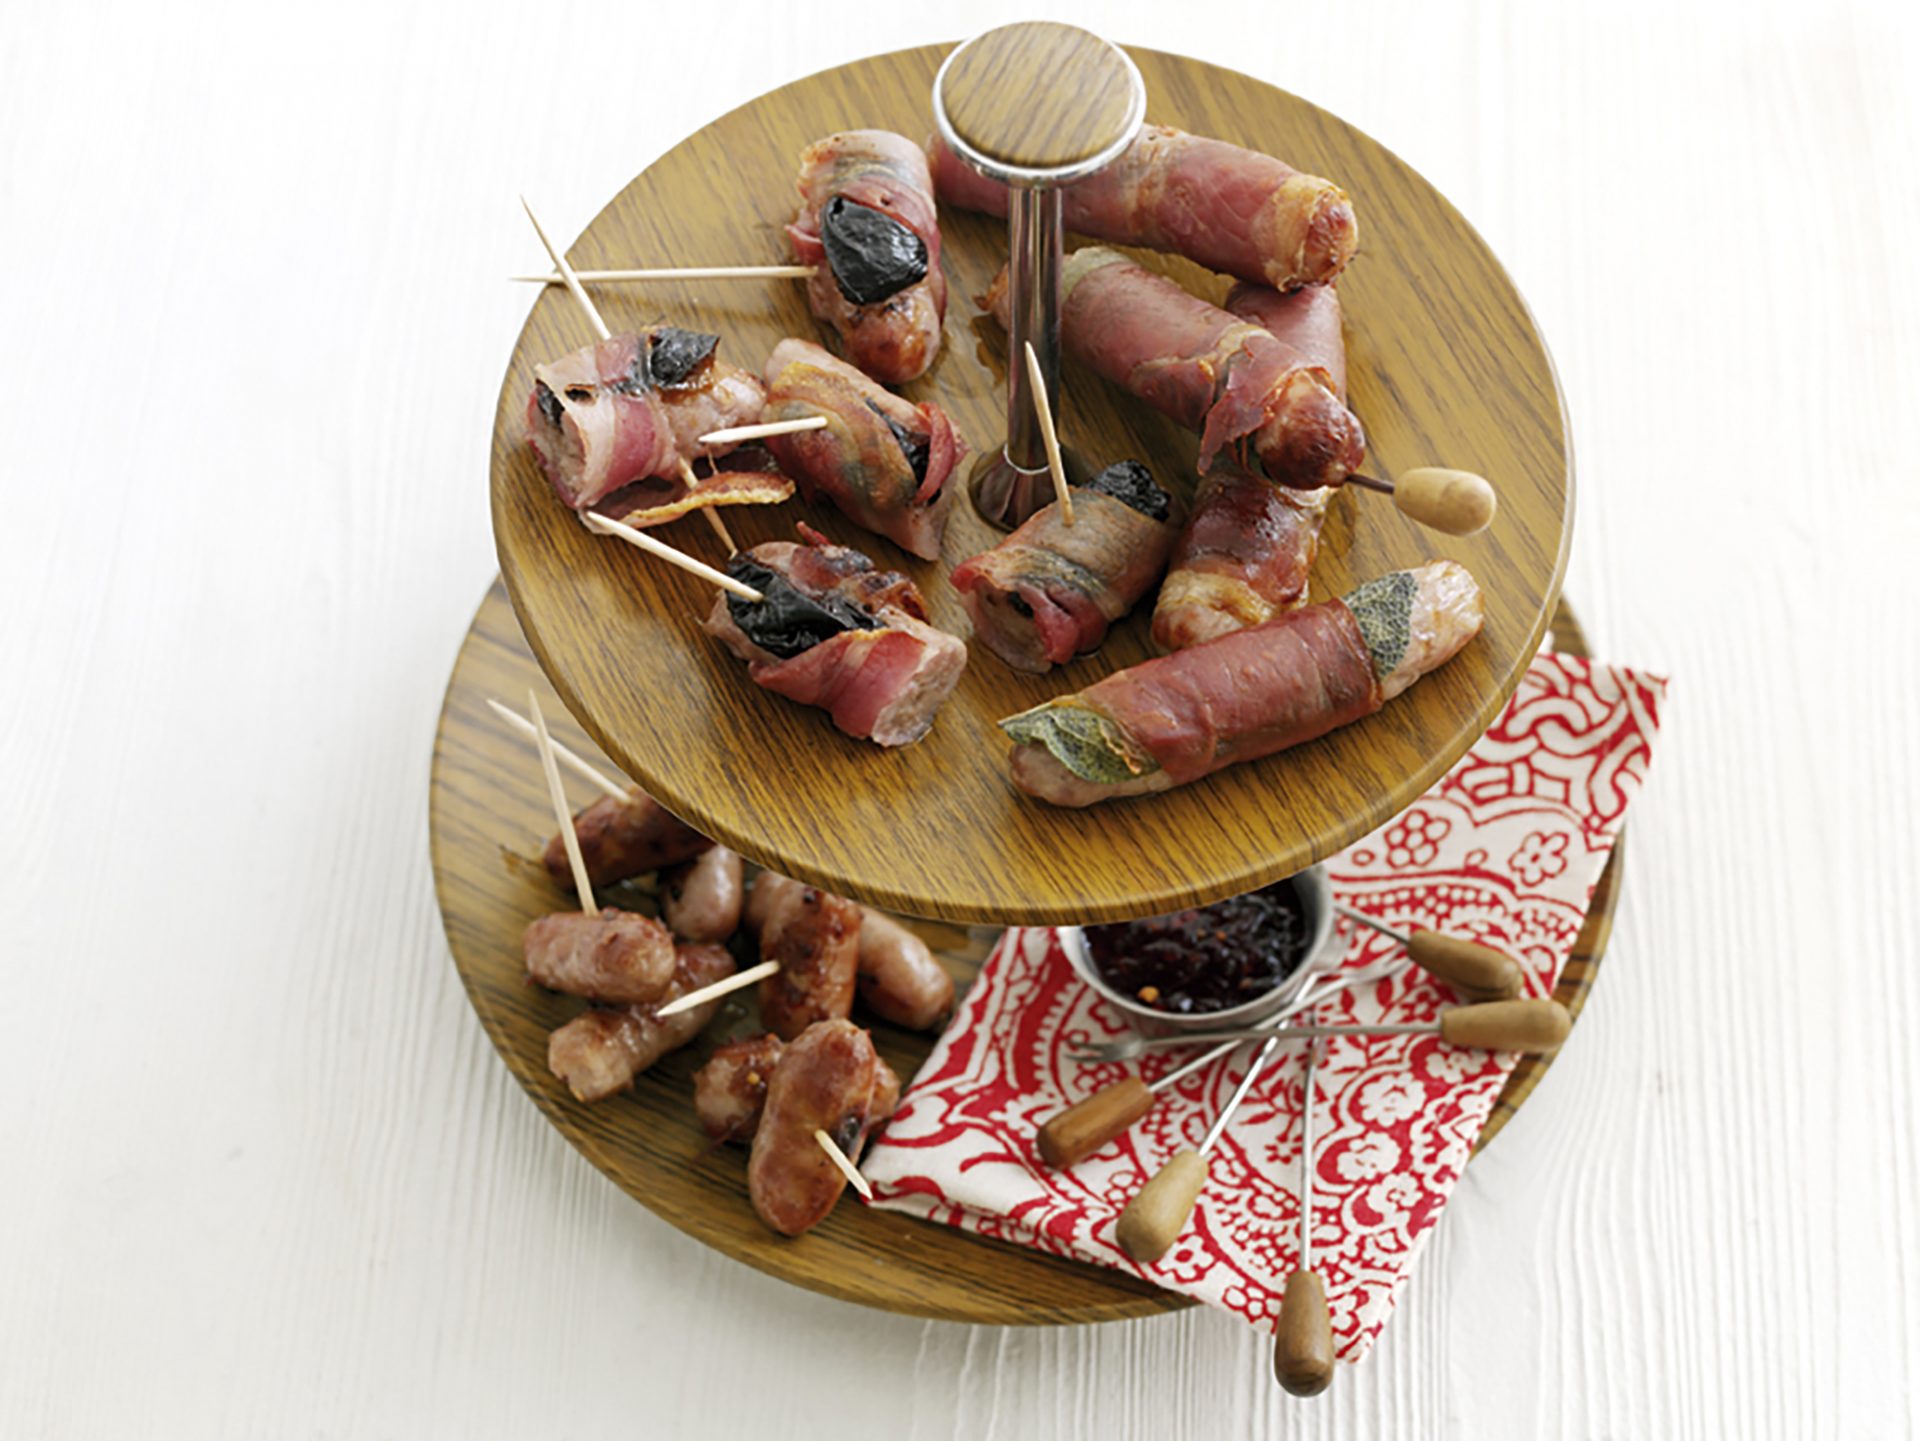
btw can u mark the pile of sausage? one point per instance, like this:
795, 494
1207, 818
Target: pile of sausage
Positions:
812, 1069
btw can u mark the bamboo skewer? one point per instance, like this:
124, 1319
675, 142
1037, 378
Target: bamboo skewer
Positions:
1061, 492
566, 274
662, 551
568, 836
686, 272
736, 982
580, 767
839, 1158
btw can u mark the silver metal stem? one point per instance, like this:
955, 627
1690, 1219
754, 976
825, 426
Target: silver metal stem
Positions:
1290, 1033
1362, 918
1239, 1094
1033, 291
1306, 1158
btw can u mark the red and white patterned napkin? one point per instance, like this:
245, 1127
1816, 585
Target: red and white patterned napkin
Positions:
1505, 850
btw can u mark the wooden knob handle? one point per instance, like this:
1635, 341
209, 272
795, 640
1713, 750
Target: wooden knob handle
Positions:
1303, 1343
1085, 1126
1455, 502
1155, 1218
1479, 973
1533, 1027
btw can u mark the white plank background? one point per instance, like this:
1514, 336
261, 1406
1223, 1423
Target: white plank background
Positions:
260, 1172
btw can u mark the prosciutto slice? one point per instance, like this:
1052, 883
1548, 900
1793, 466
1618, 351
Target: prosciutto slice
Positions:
868, 226
1049, 591
883, 461
1246, 551
1175, 719
1232, 381
1221, 206
838, 634
631, 409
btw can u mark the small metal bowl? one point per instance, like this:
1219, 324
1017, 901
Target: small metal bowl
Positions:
1316, 900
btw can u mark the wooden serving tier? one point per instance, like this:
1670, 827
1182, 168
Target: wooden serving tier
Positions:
490, 820
1445, 368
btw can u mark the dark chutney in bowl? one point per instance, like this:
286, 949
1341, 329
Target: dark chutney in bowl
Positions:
1209, 959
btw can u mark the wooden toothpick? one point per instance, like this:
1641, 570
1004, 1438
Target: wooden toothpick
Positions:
688, 272
660, 549
580, 767
839, 1158
1060, 491
568, 837
718, 989
566, 274
735, 434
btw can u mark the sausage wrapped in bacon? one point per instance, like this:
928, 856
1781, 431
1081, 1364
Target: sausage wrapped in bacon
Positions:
883, 461
615, 957
700, 899
730, 1091
834, 632
899, 980
1248, 694
829, 1079
630, 410
621, 839
1049, 591
1221, 206
815, 937
1233, 382
867, 225
1246, 551
601, 1051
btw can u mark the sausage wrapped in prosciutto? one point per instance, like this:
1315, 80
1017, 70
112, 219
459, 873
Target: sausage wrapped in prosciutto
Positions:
601, 1051
621, 839
1221, 206
1049, 591
1240, 388
1246, 551
883, 461
834, 632
867, 225
1248, 694
630, 410
829, 1079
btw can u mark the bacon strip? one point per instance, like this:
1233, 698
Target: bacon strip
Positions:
1050, 591
598, 421
884, 684
895, 339
1229, 380
1221, 206
600, 1052
859, 461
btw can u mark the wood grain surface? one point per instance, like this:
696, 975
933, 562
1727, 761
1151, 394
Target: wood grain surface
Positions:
1038, 94
1445, 366
265, 1172
490, 817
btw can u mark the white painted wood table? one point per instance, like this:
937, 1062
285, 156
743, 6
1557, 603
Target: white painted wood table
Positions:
263, 1174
